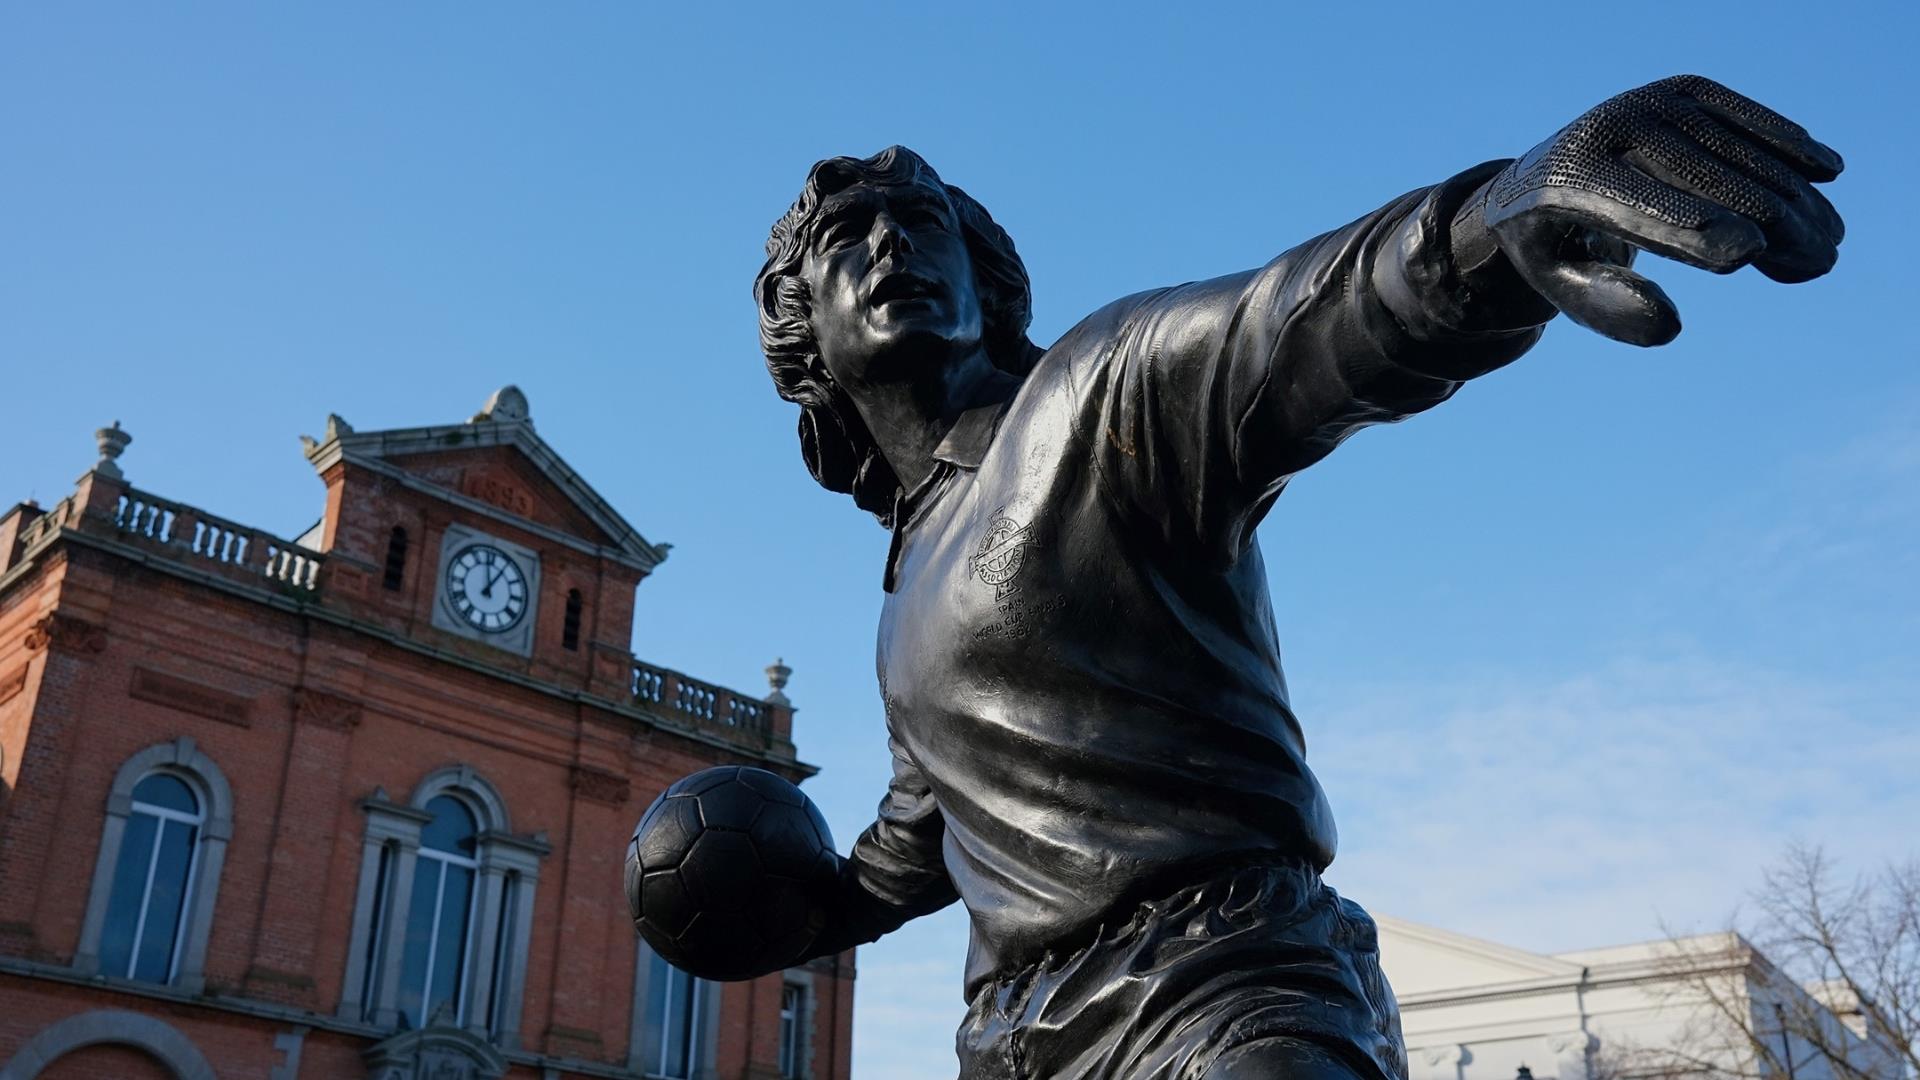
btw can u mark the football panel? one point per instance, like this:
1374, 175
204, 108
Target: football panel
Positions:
722, 871
665, 840
730, 806
665, 904
704, 780
786, 841
772, 786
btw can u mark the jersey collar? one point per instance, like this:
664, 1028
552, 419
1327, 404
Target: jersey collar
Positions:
963, 447
966, 442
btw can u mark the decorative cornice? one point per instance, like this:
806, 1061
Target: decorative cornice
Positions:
70, 632
321, 709
601, 787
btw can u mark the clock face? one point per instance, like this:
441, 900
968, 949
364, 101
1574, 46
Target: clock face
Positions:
486, 588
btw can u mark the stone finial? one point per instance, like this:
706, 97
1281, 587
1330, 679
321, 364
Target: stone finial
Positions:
507, 405
113, 442
337, 427
777, 675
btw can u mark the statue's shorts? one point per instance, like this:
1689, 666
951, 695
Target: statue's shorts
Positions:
1258, 972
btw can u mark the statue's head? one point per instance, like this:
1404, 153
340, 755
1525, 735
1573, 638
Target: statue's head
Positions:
878, 270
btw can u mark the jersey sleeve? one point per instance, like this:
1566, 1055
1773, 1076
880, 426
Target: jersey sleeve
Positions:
895, 872
1216, 392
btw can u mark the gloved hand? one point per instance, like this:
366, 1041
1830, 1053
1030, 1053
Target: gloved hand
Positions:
1683, 167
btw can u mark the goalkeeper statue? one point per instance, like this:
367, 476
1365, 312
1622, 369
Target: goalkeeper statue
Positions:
1092, 743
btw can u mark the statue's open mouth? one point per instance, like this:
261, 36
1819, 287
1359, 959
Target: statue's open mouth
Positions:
902, 286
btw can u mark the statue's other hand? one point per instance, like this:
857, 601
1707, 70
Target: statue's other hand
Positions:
1683, 167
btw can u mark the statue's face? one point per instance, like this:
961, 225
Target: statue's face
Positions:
892, 285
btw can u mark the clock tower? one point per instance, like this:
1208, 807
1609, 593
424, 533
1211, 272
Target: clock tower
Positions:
477, 539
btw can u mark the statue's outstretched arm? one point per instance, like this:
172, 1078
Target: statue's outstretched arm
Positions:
1212, 394
1216, 392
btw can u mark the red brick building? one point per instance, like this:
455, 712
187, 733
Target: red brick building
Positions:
355, 804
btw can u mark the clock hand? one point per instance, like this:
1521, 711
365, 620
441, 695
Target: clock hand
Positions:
487, 589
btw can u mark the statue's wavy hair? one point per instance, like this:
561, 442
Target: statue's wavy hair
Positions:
839, 450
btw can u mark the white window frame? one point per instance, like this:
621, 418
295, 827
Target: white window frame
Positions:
182, 758
493, 981
195, 821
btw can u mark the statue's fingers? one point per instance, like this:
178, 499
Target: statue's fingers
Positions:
1836, 226
1556, 261
1798, 249
1798, 245
1762, 164
1809, 156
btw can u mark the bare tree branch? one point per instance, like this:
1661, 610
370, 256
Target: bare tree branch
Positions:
1823, 983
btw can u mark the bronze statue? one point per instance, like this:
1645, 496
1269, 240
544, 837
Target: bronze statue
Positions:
1092, 742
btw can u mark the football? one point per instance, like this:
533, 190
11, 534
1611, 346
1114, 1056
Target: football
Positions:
728, 873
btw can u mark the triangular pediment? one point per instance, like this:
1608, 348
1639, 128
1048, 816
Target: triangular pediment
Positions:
504, 477
494, 463
1421, 959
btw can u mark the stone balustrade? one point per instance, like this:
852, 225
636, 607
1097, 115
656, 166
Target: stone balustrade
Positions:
195, 536
703, 704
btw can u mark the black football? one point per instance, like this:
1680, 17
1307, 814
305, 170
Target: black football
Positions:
728, 873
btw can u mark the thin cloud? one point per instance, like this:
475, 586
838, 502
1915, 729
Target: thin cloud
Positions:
1584, 809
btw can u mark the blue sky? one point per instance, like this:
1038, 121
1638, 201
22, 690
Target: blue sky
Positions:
1576, 652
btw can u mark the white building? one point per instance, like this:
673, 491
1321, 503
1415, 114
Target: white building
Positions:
1475, 1010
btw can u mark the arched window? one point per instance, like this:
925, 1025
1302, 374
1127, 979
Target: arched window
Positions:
444, 912
440, 916
157, 874
396, 567
152, 881
570, 626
